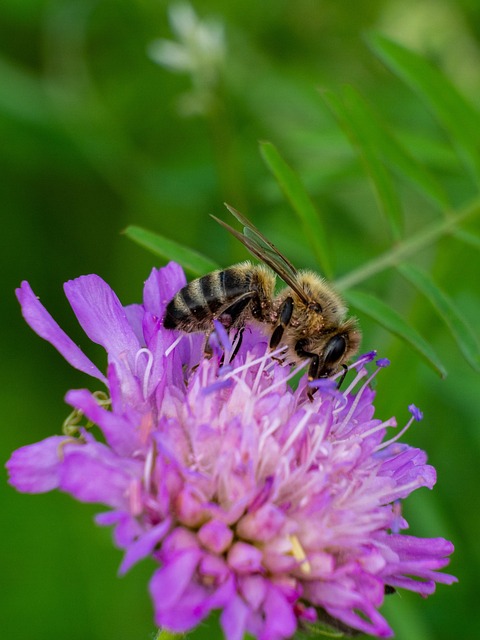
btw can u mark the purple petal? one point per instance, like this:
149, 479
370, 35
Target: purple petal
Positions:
35, 467
135, 313
102, 317
45, 326
215, 536
371, 622
187, 612
412, 547
280, 621
161, 286
234, 618
92, 473
245, 558
170, 581
144, 545
118, 432
127, 528
262, 524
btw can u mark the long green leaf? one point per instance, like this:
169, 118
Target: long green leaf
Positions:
467, 237
389, 148
412, 245
448, 311
357, 130
295, 191
393, 322
191, 260
455, 114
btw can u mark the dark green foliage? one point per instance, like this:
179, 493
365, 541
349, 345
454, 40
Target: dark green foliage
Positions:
376, 149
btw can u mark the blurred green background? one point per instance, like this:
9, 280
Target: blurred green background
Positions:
96, 136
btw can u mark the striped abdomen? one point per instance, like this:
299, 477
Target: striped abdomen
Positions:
227, 295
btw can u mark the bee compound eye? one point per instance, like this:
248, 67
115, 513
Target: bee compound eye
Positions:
335, 349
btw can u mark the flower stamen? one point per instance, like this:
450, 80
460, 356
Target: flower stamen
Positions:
299, 554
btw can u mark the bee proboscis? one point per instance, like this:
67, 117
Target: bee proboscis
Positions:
307, 316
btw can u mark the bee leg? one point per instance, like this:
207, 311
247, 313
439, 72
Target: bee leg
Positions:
207, 349
314, 366
342, 377
285, 314
228, 315
238, 339
313, 373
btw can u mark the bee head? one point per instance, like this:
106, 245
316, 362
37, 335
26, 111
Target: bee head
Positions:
339, 348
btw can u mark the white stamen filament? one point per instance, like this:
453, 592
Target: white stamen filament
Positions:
357, 399
406, 489
296, 432
360, 374
169, 350
148, 469
258, 377
291, 375
250, 363
362, 435
148, 369
392, 440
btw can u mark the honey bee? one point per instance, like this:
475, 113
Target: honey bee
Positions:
307, 316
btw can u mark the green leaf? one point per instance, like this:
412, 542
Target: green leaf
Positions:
389, 149
23, 95
191, 260
412, 245
393, 322
356, 128
468, 238
302, 204
448, 311
454, 113
164, 634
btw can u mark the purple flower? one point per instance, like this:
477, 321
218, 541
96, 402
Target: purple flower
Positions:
277, 510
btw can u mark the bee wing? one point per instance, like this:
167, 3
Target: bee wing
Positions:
264, 250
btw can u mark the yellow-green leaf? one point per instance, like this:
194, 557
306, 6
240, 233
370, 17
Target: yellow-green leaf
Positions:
389, 148
192, 261
393, 322
459, 328
452, 110
354, 123
295, 191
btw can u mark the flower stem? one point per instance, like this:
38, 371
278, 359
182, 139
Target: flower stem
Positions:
164, 634
397, 254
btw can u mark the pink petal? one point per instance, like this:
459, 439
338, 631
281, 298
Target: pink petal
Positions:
144, 545
170, 581
42, 323
92, 473
234, 618
35, 467
118, 432
102, 317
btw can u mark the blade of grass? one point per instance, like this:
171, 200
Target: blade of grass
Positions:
192, 261
467, 237
357, 130
447, 310
388, 318
295, 192
412, 245
389, 148
455, 114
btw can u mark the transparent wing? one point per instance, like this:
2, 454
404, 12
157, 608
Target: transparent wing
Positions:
264, 250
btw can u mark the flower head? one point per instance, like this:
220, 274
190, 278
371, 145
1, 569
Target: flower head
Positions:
200, 52
278, 510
